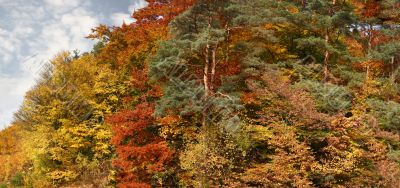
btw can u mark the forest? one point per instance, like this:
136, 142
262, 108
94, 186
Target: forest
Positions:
218, 93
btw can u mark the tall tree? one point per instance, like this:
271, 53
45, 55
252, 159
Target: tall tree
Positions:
142, 155
326, 21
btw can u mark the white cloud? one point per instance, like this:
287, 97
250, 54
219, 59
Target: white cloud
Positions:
62, 6
40, 29
40, 32
63, 3
10, 44
136, 5
119, 18
11, 92
66, 33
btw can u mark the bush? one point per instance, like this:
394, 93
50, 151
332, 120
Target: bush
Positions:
351, 78
3, 185
18, 179
330, 98
387, 113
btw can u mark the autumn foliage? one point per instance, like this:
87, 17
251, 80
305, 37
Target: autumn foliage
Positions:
141, 152
219, 93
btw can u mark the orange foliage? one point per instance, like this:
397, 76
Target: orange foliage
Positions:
141, 152
11, 154
366, 9
131, 42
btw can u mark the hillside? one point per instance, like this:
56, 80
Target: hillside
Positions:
219, 93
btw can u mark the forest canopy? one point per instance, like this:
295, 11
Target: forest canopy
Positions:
219, 93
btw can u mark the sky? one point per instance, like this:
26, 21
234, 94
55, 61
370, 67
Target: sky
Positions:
34, 31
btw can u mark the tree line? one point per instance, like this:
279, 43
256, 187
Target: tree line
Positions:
219, 93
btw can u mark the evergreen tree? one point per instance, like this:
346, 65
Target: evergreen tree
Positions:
325, 23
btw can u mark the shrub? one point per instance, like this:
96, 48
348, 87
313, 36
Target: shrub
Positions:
329, 98
18, 179
387, 113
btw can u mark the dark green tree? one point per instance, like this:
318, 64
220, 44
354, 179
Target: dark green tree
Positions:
324, 23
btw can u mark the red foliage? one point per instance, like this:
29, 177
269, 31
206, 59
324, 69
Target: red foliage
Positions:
161, 11
371, 9
131, 42
141, 152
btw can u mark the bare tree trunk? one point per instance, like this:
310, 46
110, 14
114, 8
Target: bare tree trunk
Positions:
369, 51
206, 78
393, 72
206, 82
213, 65
327, 53
326, 60
206, 72
228, 35
206, 75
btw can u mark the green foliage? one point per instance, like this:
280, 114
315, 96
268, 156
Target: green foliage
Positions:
330, 98
387, 113
17, 180
231, 97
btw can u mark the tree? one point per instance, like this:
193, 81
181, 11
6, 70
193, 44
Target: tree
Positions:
141, 152
135, 136
64, 115
326, 21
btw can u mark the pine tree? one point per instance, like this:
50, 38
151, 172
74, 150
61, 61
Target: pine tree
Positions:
325, 22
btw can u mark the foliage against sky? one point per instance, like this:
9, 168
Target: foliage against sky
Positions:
218, 93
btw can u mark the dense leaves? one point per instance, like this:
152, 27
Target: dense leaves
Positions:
219, 93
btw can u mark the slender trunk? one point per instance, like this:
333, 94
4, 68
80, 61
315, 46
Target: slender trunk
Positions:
206, 84
326, 60
327, 53
228, 34
369, 47
206, 77
213, 65
206, 72
393, 72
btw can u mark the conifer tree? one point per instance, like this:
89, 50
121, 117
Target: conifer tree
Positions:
325, 22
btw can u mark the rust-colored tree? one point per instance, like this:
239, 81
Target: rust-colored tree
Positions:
141, 152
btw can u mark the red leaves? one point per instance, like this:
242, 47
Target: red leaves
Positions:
371, 9
367, 8
141, 152
162, 11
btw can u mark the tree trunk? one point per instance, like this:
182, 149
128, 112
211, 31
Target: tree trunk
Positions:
228, 35
393, 72
327, 54
326, 60
206, 72
206, 84
213, 65
367, 74
369, 47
